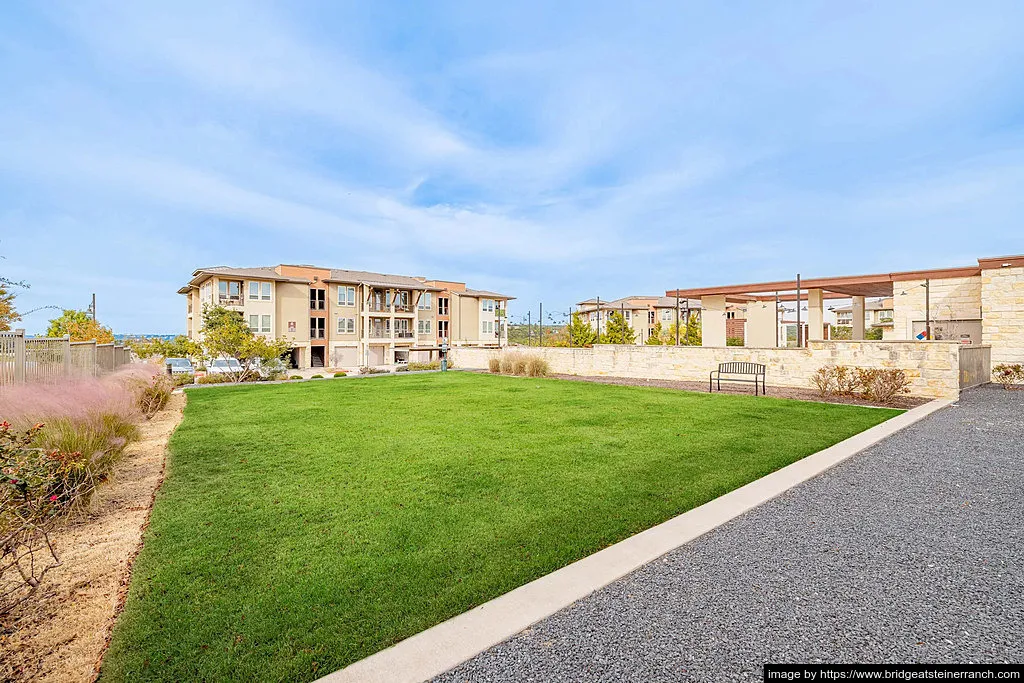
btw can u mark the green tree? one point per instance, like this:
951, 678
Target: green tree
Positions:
656, 333
226, 335
179, 347
692, 336
618, 331
80, 327
580, 332
7, 313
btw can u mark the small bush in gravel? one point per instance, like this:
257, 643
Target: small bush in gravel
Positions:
366, 370
1009, 375
180, 379
340, 374
523, 364
152, 396
494, 365
432, 365
295, 377
825, 380
401, 368
316, 377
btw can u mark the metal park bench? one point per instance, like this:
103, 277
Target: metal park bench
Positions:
757, 370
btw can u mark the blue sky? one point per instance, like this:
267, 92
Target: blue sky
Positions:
553, 151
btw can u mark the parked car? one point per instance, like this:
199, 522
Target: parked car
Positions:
180, 366
223, 366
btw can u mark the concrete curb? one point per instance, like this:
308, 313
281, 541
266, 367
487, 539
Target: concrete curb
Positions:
440, 648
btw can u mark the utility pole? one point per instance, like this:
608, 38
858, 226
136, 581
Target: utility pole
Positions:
540, 319
529, 329
799, 330
92, 307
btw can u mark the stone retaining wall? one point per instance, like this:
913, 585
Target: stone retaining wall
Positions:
933, 367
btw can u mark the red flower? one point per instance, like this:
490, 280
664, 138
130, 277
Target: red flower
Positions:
53, 498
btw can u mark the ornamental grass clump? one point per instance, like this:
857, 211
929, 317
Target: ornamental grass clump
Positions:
522, 364
58, 442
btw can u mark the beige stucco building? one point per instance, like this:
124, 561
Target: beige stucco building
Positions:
348, 318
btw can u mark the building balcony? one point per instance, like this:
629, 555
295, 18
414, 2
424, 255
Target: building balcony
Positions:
404, 334
230, 300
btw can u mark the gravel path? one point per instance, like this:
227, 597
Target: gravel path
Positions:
912, 551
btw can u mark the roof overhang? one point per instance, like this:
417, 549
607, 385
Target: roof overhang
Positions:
877, 285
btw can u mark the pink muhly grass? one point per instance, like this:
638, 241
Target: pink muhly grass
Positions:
94, 416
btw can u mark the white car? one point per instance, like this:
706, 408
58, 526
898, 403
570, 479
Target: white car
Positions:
223, 366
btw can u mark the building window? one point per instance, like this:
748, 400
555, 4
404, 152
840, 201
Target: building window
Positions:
265, 289
254, 290
265, 323
318, 299
346, 325
317, 327
650, 317
628, 314
442, 305
423, 327
442, 328
487, 327
487, 304
254, 323
730, 315
666, 315
346, 296
425, 301
401, 300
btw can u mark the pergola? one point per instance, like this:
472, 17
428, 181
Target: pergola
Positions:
762, 320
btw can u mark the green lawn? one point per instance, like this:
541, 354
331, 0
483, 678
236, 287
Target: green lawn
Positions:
304, 526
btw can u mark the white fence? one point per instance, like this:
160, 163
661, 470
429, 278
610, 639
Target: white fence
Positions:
46, 359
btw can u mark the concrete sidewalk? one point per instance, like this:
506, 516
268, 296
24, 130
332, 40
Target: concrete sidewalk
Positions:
912, 551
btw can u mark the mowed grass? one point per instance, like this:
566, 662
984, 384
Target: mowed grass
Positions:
302, 527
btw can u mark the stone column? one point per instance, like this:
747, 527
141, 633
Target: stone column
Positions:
858, 317
761, 324
712, 317
815, 314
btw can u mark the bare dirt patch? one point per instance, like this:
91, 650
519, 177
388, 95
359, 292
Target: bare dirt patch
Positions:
904, 402
61, 633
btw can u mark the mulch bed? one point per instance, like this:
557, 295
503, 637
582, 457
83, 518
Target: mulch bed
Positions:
903, 402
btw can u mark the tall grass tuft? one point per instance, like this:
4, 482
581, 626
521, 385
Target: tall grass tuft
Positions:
515, 363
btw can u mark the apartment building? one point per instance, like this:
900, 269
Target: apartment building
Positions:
642, 313
349, 318
877, 313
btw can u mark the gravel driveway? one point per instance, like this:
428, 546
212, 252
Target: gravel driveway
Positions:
912, 551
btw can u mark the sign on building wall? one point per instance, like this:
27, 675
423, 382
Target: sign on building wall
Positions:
291, 325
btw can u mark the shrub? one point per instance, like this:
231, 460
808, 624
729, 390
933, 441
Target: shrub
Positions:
367, 370
295, 377
180, 379
888, 384
1008, 374
537, 366
825, 380
846, 380
872, 384
514, 363
152, 396
213, 379
401, 368
734, 341
508, 363
340, 374
432, 365
316, 377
